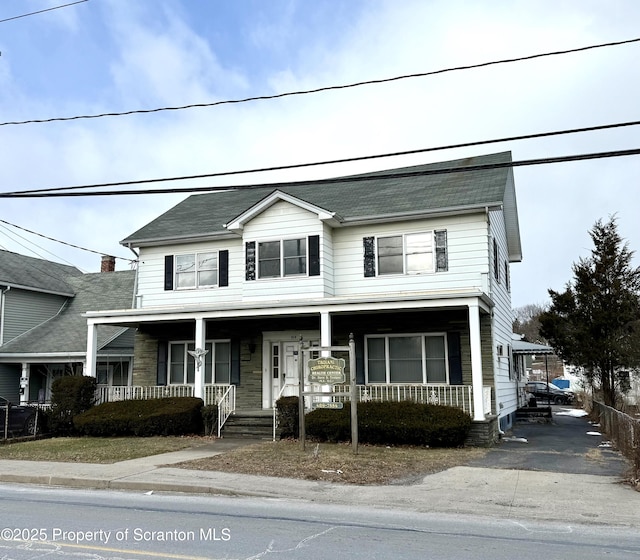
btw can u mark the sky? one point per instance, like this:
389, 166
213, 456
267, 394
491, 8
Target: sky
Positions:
106, 56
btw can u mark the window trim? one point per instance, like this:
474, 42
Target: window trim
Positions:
196, 271
281, 257
188, 357
423, 336
439, 248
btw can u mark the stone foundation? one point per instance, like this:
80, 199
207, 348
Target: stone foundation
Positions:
484, 433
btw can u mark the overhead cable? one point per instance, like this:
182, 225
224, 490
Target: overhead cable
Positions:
334, 161
324, 88
349, 179
42, 11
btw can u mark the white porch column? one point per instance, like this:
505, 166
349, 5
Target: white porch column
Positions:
92, 349
476, 361
198, 390
24, 383
325, 332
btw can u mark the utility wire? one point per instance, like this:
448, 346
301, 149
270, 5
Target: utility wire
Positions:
325, 88
351, 179
335, 161
59, 241
7, 231
42, 11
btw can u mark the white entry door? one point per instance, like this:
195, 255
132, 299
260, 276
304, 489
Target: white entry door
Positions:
281, 355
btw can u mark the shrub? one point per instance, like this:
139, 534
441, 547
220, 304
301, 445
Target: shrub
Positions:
70, 395
169, 416
288, 417
210, 419
392, 423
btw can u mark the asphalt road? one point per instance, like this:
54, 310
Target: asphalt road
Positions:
41, 522
566, 445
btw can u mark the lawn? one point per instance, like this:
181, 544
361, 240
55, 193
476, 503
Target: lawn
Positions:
326, 462
93, 450
337, 462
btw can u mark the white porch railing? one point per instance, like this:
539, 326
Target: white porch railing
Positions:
140, 392
458, 396
222, 395
226, 405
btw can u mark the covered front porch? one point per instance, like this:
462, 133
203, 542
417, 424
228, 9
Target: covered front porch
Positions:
431, 351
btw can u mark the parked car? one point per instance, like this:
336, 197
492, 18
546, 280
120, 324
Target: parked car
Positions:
544, 391
22, 419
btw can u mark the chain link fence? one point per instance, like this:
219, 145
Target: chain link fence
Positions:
623, 429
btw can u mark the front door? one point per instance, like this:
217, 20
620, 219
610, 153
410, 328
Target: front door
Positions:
281, 352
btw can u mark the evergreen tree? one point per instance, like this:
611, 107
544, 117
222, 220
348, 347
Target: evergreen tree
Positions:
595, 322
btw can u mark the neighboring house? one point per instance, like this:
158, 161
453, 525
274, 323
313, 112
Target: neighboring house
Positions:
43, 333
527, 357
414, 262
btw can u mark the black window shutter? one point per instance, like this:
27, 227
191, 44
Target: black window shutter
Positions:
168, 272
369, 256
455, 359
359, 340
235, 361
250, 260
163, 356
314, 255
223, 268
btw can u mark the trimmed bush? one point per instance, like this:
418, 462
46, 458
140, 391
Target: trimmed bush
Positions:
153, 417
70, 395
392, 423
210, 419
288, 417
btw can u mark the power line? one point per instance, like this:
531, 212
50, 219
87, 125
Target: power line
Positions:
42, 11
352, 179
335, 161
324, 88
58, 241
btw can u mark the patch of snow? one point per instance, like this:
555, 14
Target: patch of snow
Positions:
517, 439
606, 444
574, 412
594, 434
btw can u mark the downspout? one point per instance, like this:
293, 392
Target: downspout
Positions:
135, 281
2, 300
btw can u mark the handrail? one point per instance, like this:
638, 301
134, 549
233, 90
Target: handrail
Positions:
226, 405
273, 406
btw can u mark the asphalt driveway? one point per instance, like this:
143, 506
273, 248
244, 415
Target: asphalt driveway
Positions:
568, 445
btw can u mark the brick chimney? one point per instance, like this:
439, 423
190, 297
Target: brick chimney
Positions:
108, 264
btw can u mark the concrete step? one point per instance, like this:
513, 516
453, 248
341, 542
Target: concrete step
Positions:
253, 424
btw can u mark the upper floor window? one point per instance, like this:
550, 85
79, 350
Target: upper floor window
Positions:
196, 270
282, 258
286, 257
496, 260
411, 253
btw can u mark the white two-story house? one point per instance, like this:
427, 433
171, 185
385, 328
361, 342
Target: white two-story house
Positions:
414, 262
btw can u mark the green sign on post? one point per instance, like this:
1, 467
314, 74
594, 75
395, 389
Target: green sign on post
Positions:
327, 371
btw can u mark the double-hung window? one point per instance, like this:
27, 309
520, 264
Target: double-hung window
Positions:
217, 362
196, 270
407, 358
287, 257
412, 253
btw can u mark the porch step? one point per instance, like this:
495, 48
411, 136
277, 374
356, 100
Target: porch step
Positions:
256, 424
540, 414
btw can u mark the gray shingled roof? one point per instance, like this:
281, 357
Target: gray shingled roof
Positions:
376, 195
37, 274
67, 332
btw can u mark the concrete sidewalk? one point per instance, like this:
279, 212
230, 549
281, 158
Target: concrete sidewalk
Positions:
503, 493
